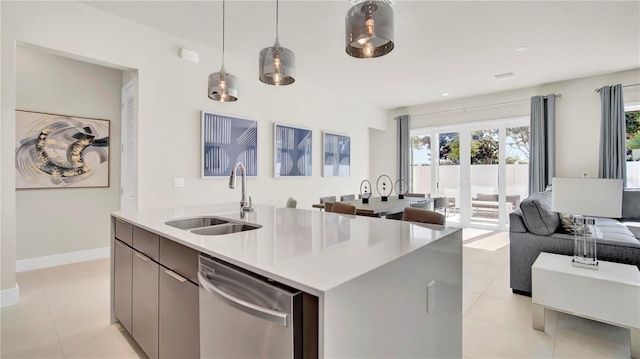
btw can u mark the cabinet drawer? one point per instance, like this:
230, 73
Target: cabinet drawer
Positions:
146, 242
179, 258
124, 231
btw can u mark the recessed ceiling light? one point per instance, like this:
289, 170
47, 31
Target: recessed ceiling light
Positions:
505, 76
522, 48
445, 94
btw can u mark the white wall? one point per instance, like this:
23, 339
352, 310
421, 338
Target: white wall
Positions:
172, 92
577, 116
55, 221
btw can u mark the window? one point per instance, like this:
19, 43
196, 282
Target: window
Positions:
632, 117
480, 168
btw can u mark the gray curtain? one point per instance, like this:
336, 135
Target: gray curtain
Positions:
613, 149
542, 162
404, 146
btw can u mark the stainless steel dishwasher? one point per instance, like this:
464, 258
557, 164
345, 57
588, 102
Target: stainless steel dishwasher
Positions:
243, 315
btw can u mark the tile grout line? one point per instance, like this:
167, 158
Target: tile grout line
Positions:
53, 323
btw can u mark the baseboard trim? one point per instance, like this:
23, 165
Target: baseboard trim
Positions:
61, 259
10, 296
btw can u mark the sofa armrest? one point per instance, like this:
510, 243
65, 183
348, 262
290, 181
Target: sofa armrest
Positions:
516, 223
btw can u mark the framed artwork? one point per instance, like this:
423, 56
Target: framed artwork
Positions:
225, 141
57, 151
292, 151
337, 155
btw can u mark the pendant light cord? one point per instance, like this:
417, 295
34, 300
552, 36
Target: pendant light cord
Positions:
277, 20
223, 16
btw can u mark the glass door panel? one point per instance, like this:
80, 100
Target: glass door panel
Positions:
448, 176
517, 166
484, 177
421, 164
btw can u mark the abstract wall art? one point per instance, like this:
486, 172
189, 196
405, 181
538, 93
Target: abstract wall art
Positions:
292, 151
56, 151
337, 155
225, 141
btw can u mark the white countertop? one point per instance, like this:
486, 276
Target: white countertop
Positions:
311, 250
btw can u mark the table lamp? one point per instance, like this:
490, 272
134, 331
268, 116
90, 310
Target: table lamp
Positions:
586, 198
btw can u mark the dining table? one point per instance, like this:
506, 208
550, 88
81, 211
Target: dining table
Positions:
379, 208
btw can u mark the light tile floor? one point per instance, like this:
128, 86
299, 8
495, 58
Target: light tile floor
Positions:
64, 313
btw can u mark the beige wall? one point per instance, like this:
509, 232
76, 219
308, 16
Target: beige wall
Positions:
171, 94
55, 221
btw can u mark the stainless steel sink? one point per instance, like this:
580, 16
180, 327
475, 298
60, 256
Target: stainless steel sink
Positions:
211, 225
191, 223
225, 229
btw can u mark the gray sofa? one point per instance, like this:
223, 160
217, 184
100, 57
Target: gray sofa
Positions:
534, 228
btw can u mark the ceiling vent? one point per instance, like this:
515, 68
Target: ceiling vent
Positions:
505, 76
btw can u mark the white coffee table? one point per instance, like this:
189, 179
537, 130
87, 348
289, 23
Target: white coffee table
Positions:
610, 294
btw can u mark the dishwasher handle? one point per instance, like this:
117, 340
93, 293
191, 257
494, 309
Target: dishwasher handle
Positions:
242, 305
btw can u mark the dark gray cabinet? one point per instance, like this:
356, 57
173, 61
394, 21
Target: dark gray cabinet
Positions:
145, 304
156, 292
179, 317
122, 286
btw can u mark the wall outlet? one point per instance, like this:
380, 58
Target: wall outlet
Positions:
178, 181
431, 296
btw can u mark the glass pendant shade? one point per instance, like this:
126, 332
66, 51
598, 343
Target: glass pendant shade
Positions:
277, 65
223, 86
369, 29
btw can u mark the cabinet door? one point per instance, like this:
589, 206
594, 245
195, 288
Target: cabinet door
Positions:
179, 317
123, 262
145, 304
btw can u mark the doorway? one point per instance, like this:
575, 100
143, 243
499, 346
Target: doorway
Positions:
480, 169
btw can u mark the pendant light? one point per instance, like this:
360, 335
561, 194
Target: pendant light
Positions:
223, 86
277, 64
369, 29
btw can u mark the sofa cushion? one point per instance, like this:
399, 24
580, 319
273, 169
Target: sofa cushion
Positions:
631, 204
634, 227
537, 214
487, 197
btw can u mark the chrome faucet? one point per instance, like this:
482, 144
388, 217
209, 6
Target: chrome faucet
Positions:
244, 205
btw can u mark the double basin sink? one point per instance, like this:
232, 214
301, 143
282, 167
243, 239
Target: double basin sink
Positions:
211, 225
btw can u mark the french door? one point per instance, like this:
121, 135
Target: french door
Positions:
480, 169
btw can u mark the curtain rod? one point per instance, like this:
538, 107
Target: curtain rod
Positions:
630, 85
464, 109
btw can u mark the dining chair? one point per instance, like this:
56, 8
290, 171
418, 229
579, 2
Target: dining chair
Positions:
347, 197
440, 203
413, 214
327, 199
424, 204
328, 206
343, 208
292, 203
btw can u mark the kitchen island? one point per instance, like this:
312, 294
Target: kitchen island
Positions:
384, 288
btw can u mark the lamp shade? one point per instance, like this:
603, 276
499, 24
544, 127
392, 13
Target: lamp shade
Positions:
277, 65
598, 197
223, 86
369, 29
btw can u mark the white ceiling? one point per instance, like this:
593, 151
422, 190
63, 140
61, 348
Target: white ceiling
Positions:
451, 47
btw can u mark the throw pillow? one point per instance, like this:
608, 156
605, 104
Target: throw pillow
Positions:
537, 214
567, 224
